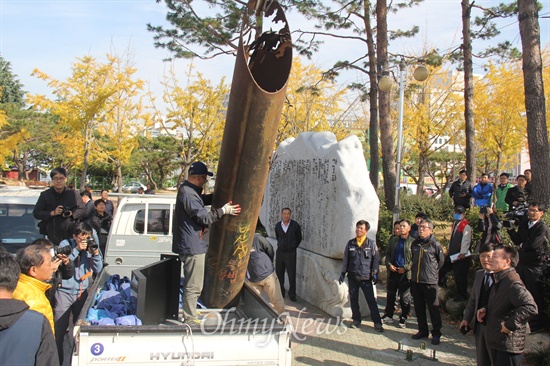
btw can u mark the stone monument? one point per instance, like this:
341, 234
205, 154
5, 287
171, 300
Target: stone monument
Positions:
326, 185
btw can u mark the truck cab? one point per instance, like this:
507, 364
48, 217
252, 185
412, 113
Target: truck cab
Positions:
141, 231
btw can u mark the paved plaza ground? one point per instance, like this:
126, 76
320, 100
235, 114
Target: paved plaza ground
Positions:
318, 340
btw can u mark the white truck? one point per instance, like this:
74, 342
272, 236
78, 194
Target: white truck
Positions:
251, 333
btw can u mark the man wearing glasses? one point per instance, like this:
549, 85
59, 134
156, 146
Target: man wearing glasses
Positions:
58, 207
190, 239
427, 260
532, 237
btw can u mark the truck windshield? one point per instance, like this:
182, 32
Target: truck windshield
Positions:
158, 221
18, 228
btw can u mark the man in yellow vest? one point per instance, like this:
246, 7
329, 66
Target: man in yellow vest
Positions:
36, 268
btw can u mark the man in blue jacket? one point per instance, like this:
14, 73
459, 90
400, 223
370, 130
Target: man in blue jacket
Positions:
361, 263
482, 192
190, 241
261, 273
72, 294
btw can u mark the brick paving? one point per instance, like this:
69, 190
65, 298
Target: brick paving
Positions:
319, 339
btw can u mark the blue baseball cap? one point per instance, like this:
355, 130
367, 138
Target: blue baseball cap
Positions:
198, 168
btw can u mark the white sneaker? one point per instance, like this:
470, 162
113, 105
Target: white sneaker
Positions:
402, 322
386, 319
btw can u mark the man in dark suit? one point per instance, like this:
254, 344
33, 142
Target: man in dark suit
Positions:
289, 237
532, 238
483, 282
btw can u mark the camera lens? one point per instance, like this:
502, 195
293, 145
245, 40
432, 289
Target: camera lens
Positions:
92, 244
66, 250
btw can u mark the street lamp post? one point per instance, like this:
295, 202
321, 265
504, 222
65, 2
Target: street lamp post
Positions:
420, 74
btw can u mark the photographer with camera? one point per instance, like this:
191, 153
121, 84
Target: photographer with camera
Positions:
63, 266
518, 196
532, 237
71, 296
58, 208
489, 225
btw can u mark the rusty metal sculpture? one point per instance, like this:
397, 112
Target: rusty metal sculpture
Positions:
255, 104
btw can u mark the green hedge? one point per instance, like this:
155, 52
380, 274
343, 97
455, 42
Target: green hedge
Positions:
437, 209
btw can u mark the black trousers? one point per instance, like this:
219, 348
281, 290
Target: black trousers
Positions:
425, 295
398, 283
286, 261
531, 276
502, 358
368, 290
460, 271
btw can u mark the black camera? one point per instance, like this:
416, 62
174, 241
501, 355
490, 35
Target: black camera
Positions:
66, 250
516, 215
66, 211
92, 244
483, 210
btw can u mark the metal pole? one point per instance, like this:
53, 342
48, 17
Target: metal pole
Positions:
397, 207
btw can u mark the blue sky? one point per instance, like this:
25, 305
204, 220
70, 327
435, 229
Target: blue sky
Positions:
49, 35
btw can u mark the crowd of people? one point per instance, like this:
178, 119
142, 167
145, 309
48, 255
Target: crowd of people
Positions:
45, 285
507, 296
54, 273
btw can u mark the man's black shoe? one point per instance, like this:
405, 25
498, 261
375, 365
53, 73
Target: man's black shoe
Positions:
355, 324
419, 335
293, 299
436, 340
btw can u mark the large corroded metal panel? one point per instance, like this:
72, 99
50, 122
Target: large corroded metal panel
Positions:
257, 95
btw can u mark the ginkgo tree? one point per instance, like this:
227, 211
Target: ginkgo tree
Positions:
87, 99
126, 119
501, 127
312, 104
195, 116
432, 110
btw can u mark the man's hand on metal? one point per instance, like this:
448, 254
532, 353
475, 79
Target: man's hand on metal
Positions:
230, 209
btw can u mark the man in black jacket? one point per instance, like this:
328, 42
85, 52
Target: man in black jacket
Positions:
532, 238
58, 207
261, 273
191, 220
461, 190
509, 308
361, 263
427, 260
26, 336
289, 237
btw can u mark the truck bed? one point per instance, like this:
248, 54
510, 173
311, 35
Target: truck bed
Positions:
251, 332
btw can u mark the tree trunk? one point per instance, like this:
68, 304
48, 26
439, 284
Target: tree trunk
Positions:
386, 141
86, 158
421, 174
20, 164
468, 92
537, 134
119, 178
373, 100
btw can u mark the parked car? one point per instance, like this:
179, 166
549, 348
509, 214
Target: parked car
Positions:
132, 187
18, 227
